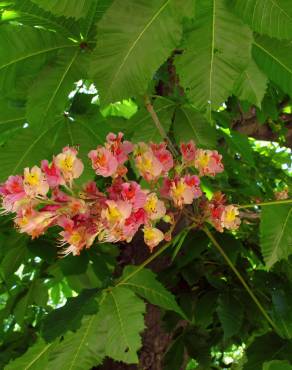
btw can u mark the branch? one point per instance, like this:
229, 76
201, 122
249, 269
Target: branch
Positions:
274, 202
241, 279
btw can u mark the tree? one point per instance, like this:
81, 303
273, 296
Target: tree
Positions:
215, 72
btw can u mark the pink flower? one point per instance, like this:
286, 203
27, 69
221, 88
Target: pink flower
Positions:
208, 162
152, 237
163, 155
53, 174
103, 162
184, 190
132, 192
12, 192
116, 212
70, 166
119, 149
229, 218
35, 182
34, 223
188, 151
147, 164
155, 208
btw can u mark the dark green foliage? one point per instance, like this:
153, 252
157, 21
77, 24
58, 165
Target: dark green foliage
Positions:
217, 72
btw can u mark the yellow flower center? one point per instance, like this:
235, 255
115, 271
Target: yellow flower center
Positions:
32, 179
67, 163
179, 189
75, 238
204, 160
113, 214
230, 215
151, 204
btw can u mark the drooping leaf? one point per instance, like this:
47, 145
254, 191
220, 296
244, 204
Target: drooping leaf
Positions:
218, 45
49, 95
135, 38
275, 232
189, 124
269, 17
68, 317
274, 58
68, 8
230, 312
145, 284
251, 85
35, 358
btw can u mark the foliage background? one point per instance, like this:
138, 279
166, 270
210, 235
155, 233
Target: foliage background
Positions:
216, 71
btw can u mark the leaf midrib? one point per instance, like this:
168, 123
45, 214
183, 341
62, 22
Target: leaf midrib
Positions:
133, 45
278, 239
39, 52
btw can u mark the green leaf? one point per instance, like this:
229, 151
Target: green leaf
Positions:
275, 232
81, 350
277, 365
173, 358
26, 12
145, 284
143, 125
282, 312
12, 115
24, 50
135, 38
35, 358
33, 146
274, 58
270, 17
122, 340
189, 124
49, 94
68, 317
251, 85
267, 347
230, 312
218, 45
15, 254
68, 8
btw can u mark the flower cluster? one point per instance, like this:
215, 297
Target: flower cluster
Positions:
48, 196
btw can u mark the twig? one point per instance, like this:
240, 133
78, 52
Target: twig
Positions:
285, 201
159, 126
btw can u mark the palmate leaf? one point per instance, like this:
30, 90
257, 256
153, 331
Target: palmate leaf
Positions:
251, 85
35, 358
49, 94
68, 8
189, 124
145, 284
135, 38
24, 50
33, 146
269, 17
275, 232
217, 50
274, 58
